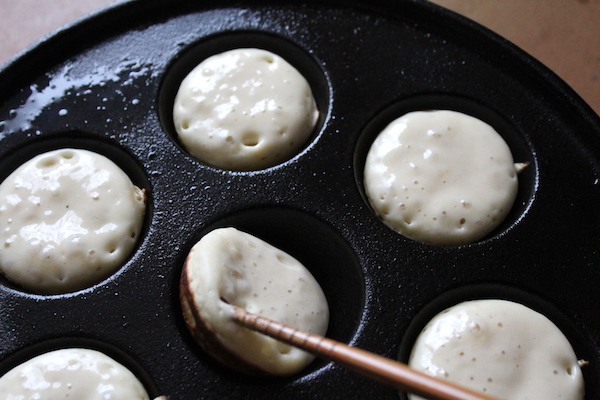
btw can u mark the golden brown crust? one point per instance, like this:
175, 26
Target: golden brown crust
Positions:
205, 336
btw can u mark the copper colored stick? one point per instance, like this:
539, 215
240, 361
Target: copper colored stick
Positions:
381, 369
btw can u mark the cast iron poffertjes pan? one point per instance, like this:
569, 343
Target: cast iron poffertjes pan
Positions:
107, 83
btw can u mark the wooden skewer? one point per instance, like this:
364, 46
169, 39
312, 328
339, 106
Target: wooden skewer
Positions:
384, 370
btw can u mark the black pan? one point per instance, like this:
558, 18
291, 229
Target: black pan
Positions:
107, 83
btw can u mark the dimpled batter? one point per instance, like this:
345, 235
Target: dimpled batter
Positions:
244, 109
502, 348
440, 177
68, 219
229, 267
78, 374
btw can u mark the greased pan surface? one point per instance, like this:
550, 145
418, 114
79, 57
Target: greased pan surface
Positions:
107, 84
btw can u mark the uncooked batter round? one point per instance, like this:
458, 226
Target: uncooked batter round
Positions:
74, 373
244, 109
69, 218
440, 177
501, 348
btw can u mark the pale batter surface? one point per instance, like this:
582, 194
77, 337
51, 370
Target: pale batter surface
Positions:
69, 218
244, 109
77, 374
502, 348
229, 267
440, 177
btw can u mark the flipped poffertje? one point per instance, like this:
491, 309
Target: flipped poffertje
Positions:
227, 268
